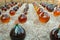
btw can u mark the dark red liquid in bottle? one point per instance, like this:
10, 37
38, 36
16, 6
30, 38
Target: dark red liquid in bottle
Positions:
55, 34
50, 7
12, 12
22, 18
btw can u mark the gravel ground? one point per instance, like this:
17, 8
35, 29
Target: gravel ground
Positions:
35, 30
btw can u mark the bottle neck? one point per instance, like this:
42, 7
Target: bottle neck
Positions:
16, 24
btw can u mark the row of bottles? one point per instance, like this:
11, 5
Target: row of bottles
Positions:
5, 18
23, 18
18, 33
35, 6
13, 12
42, 15
51, 8
8, 6
26, 9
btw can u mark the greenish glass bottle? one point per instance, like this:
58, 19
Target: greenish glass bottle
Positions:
55, 34
17, 33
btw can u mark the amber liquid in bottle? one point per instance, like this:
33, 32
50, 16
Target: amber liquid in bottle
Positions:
22, 18
12, 12
5, 18
44, 17
57, 12
17, 33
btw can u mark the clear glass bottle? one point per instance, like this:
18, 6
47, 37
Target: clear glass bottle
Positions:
5, 18
22, 18
44, 17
